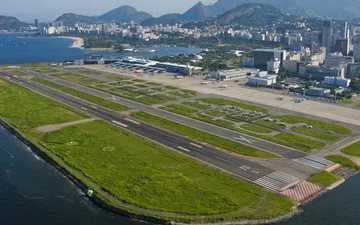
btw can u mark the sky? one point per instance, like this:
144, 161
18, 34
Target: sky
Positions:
49, 10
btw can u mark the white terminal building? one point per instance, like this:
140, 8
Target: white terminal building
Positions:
262, 79
159, 66
235, 74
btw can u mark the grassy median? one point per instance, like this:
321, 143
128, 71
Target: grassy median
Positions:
202, 136
135, 170
343, 161
291, 119
90, 98
324, 178
353, 150
26, 110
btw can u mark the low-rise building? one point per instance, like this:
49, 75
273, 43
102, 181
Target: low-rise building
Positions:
318, 92
262, 79
235, 74
337, 81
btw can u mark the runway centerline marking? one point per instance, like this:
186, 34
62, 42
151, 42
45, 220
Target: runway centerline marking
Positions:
120, 124
132, 121
184, 149
196, 145
222, 159
94, 107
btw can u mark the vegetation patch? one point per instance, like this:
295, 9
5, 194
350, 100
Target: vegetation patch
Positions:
343, 161
324, 178
163, 180
255, 128
18, 72
319, 134
197, 105
270, 124
290, 119
353, 150
224, 102
26, 110
91, 98
300, 143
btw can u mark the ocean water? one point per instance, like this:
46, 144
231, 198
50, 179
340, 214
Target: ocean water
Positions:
34, 193
19, 50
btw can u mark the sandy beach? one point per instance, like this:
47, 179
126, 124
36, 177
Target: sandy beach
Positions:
78, 41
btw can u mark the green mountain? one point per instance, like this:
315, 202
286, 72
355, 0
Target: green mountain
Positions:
251, 14
170, 19
125, 14
11, 23
69, 19
197, 13
336, 9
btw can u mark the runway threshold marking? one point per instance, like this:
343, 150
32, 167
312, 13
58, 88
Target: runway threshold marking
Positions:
184, 149
120, 124
132, 121
196, 145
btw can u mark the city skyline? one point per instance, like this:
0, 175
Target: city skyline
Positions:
47, 11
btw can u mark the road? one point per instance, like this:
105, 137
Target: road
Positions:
242, 168
258, 143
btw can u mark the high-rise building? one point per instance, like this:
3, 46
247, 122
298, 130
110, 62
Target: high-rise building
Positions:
36, 23
356, 43
327, 36
345, 32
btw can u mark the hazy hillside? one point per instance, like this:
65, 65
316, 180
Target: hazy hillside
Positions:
70, 19
10, 23
251, 15
125, 14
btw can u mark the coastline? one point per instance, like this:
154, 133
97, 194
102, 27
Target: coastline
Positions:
102, 202
79, 42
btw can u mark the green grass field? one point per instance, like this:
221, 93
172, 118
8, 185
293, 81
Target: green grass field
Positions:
202, 136
343, 161
353, 150
300, 143
197, 105
137, 171
319, 134
256, 129
77, 79
153, 177
90, 98
290, 119
224, 102
324, 178
26, 110
17, 72
270, 124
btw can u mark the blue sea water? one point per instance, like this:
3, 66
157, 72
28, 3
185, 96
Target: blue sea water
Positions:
34, 193
24, 49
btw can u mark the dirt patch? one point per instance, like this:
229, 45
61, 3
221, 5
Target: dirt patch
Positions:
2, 81
56, 127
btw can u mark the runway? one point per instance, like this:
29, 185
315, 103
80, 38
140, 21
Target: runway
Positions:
255, 142
227, 162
